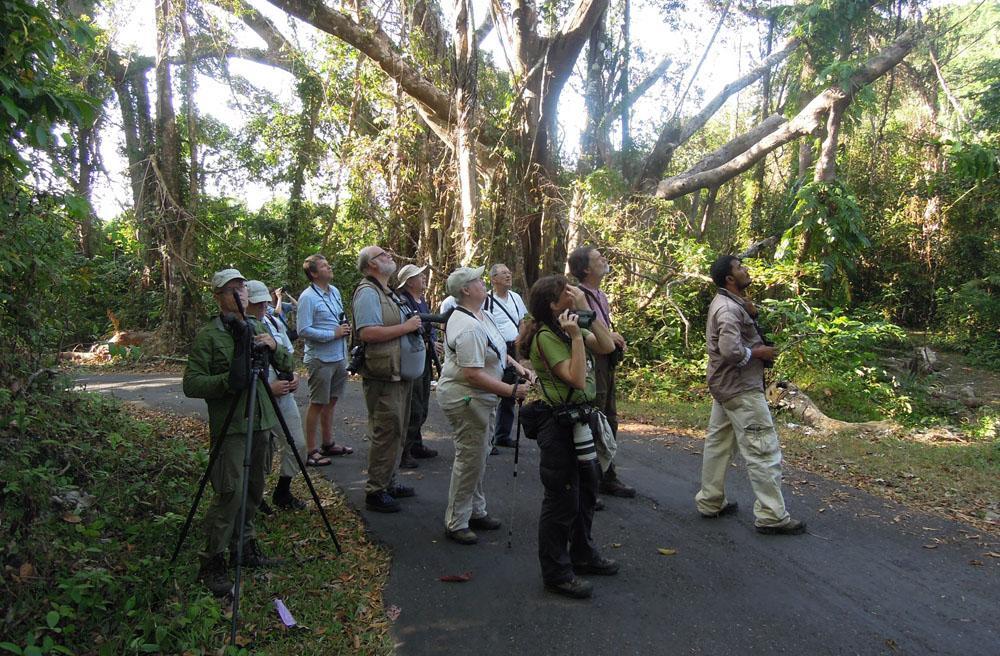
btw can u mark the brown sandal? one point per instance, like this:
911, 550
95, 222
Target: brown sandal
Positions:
335, 450
317, 459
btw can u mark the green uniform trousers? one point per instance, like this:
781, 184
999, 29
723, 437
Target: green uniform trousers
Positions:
221, 519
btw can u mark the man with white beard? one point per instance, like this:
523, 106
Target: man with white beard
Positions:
394, 358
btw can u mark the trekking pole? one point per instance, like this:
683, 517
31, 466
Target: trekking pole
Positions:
513, 496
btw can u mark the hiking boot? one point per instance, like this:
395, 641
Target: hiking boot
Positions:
601, 566
213, 574
576, 588
418, 450
505, 442
793, 527
287, 502
254, 557
407, 461
484, 523
598, 504
729, 509
265, 509
382, 502
462, 536
616, 488
494, 451
401, 491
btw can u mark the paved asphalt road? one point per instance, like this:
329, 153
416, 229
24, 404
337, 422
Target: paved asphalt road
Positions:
862, 583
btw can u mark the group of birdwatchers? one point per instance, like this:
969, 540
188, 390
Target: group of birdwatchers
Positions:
554, 356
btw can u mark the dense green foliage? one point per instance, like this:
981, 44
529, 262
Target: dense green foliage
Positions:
92, 503
903, 239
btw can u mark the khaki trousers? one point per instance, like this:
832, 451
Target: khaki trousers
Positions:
473, 424
743, 422
290, 411
388, 406
226, 477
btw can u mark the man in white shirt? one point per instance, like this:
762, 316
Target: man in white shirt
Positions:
507, 309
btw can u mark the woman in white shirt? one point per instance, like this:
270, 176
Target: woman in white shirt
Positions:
469, 389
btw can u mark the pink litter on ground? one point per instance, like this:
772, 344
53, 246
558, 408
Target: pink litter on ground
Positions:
456, 578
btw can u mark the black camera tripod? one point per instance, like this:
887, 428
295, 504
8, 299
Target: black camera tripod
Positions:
258, 364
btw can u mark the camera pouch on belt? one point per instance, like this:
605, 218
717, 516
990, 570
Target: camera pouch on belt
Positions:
531, 416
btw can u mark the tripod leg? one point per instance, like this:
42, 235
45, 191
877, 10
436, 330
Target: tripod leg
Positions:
247, 452
302, 468
513, 496
204, 479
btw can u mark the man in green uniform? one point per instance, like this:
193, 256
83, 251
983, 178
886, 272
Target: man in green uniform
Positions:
216, 372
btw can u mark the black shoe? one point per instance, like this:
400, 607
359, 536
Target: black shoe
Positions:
213, 574
462, 536
730, 508
484, 523
382, 502
601, 566
599, 504
407, 462
505, 442
401, 491
254, 557
289, 502
494, 451
418, 450
616, 488
265, 509
793, 527
576, 588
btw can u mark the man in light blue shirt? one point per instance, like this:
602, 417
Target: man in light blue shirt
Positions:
321, 323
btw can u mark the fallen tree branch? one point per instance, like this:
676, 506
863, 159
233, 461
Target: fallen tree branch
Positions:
786, 396
806, 122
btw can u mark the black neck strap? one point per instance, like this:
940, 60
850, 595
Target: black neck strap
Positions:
489, 342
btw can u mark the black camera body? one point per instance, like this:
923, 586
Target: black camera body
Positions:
767, 342
357, 360
584, 318
511, 376
570, 415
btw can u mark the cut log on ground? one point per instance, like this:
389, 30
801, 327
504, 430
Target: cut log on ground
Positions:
785, 395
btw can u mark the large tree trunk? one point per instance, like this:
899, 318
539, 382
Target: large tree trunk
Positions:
177, 252
826, 165
466, 70
310, 91
83, 186
137, 123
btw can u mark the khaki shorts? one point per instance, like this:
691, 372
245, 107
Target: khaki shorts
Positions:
326, 380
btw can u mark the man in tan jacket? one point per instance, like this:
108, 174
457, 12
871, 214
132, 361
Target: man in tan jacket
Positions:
736, 359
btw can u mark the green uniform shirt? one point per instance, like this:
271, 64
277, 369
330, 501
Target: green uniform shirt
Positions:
207, 377
554, 389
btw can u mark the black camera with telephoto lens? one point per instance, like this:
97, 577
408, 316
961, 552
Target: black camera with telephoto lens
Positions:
570, 415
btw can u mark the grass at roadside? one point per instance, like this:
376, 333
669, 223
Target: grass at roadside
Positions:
935, 471
91, 504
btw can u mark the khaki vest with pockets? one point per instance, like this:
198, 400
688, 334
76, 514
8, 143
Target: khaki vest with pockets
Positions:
382, 360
